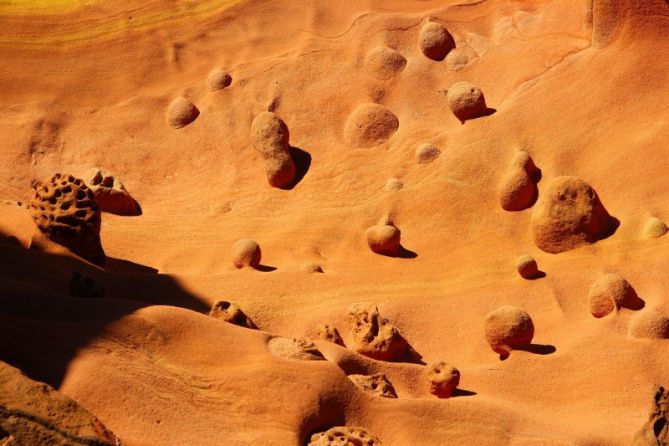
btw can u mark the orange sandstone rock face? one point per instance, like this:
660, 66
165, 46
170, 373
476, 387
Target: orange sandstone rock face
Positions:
443, 379
181, 112
508, 328
569, 214
611, 292
373, 335
370, 125
66, 212
269, 136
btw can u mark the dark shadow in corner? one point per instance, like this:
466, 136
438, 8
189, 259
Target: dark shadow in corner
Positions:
411, 356
302, 161
488, 111
462, 392
265, 268
39, 309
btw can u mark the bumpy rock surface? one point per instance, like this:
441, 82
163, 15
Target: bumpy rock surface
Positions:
245, 253
435, 41
611, 292
270, 137
527, 267
569, 214
218, 79
294, 349
370, 125
344, 436
377, 385
443, 379
230, 312
111, 195
181, 112
373, 335
83, 286
384, 238
518, 189
383, 62
66, 212
466, 101
654, 228
426, 153
649, 324
655, 432
508, 328
327, 332
34, 414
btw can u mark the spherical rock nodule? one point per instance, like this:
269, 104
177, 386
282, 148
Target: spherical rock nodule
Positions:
508, 328
66, 212
443, 379
435, 41
426, 153
344, 436
181, 112
569, 214
246, 253
373, 335
370, 125
649, 324
611, 292
383, 63
270, 137
218, 79
466, 101
654, 228
394, 184
384, 239
527, 267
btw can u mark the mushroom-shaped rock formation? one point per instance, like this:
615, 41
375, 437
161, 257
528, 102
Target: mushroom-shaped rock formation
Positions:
370, 125
377, 384
66, 212
83, 286
270, 137
654, 228
655, 432
466, 101
111, 195
435, 41
426, 153
611, 292
344, 436
569, 214
181, 112
373, 335
294, 349
246, 252
527, 267
384, 238
649, 324
383, 63
326, 332
443, 379
508, 328
518, 189
230, 312
218, 79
